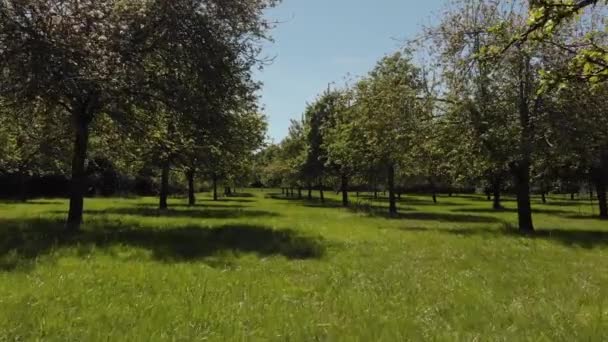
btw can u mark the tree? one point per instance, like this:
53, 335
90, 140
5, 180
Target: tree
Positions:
587, 50
109, 56
379, 128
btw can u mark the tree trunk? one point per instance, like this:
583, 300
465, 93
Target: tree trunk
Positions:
543, 197
434, 191
164, 186
23, 188
191, 191
496, 186
309, 192
600, 187
392, 208
78, 182
299, 192
321, 194
600, 178
227, 191
282, 191
215, 197
524, 207
344, 189
572, 196
522, 169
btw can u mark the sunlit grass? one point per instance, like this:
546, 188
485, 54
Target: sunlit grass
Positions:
260, 268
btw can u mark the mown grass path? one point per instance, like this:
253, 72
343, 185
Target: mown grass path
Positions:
261, 268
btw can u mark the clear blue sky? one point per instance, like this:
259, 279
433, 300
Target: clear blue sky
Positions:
322, 41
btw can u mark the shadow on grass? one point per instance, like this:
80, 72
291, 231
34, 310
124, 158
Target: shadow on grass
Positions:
483, 198
23, 241
584, 217
570, 238
568, 203
199, 205
423, 200
234, 199
187, 213
31, 202
510, 210
314, 202
441, 217
405, 213
241, 195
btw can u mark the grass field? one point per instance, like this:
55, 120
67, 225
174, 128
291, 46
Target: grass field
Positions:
254, 267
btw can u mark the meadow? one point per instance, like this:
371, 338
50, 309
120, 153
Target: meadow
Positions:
261, 267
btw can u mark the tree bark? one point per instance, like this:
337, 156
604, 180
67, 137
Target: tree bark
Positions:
543, 197
321, 194
299, 192
23, 188
572, 196
78, 183
600, 186
214, 180
164, 186
522, 168
524, 207
309, 192
496, 185
434, 191
191, 191
600, 178
392, 208
344, 189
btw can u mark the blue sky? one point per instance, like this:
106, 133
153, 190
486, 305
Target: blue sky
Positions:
322, 41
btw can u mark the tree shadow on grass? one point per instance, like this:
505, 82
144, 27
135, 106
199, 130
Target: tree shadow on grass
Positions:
236, 200
510, 210
405, 213
23, 241
571, 238
241, 195
188, 213
584, 217
31, 202
442, 217
568, 203
483, 198
199, 205
313, 203
442, 201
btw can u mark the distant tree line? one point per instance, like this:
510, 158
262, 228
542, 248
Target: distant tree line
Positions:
476, 102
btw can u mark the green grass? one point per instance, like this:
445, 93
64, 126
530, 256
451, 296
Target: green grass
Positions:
261, 268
